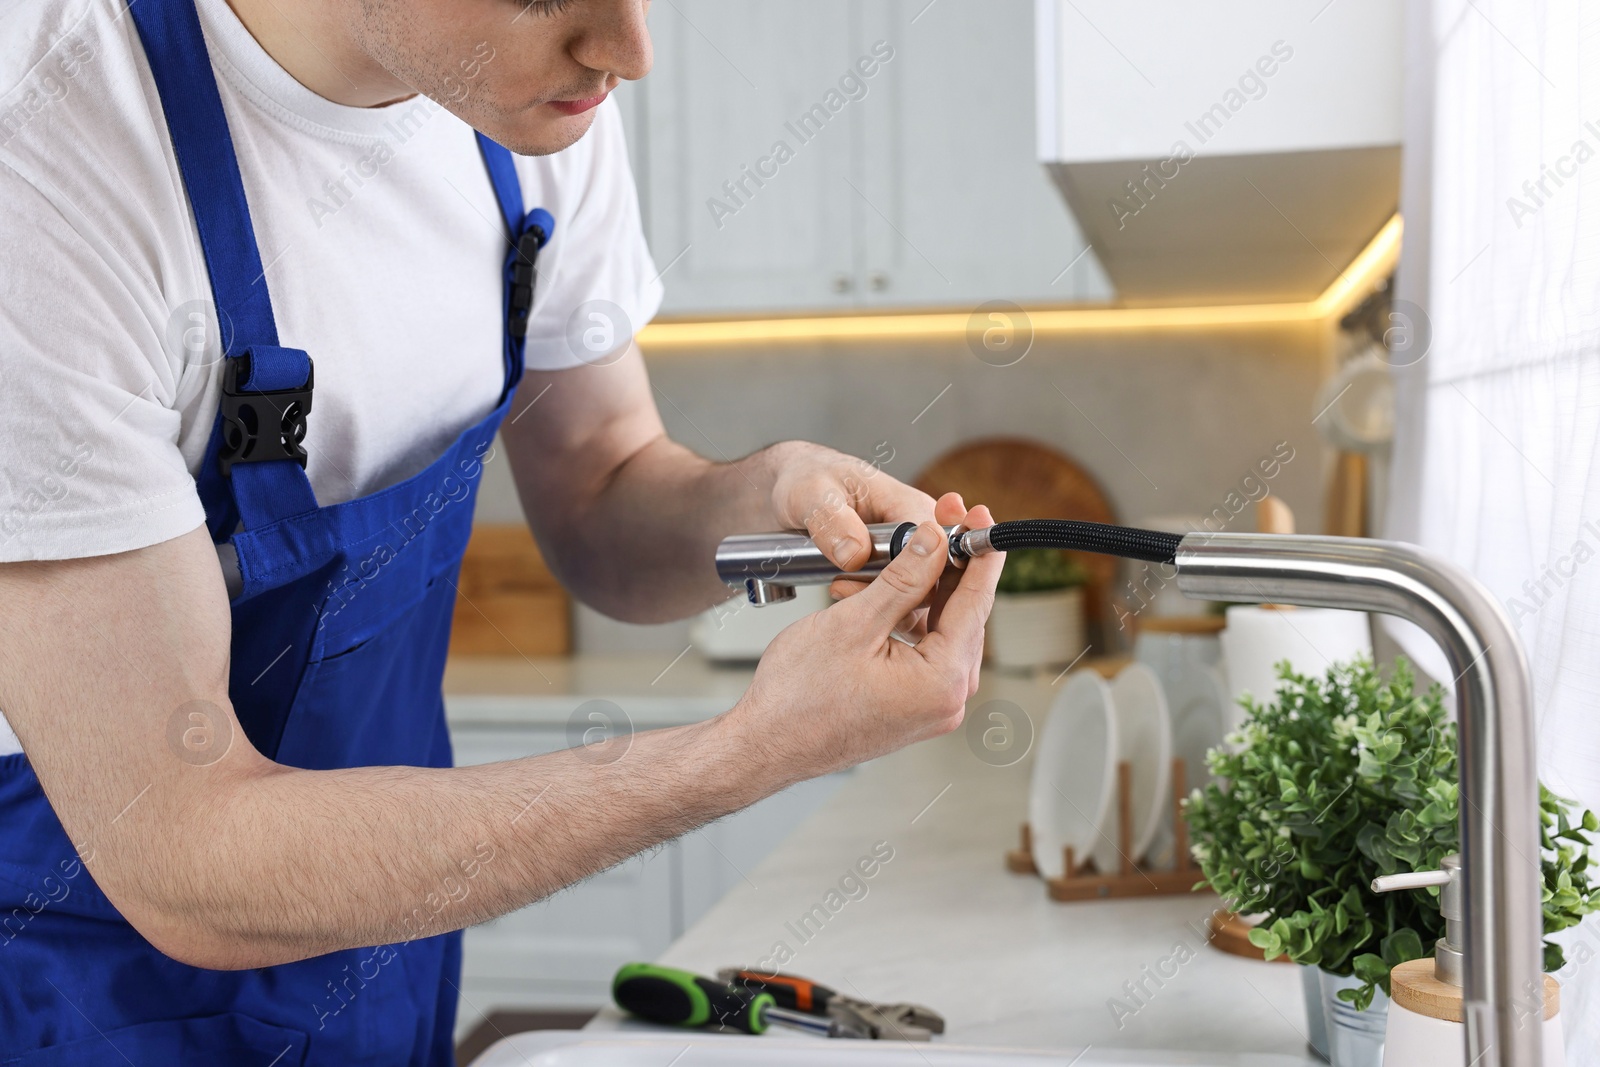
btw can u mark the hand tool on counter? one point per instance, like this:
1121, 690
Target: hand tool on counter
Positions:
880, 1022
680, 998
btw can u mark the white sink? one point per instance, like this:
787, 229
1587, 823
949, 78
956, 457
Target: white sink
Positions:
581, 1048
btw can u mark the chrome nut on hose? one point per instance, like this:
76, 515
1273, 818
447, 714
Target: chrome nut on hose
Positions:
965, 543
954, 554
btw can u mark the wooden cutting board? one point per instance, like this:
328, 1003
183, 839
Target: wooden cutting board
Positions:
508, 602
1022, 479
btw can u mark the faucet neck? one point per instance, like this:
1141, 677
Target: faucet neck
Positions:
1501, 926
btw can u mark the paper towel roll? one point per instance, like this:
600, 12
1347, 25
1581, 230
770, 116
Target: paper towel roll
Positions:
1257, 638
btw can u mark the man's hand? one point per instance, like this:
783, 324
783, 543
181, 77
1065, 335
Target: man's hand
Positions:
833, 497
836, 688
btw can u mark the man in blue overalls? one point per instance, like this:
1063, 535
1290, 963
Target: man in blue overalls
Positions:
266, 299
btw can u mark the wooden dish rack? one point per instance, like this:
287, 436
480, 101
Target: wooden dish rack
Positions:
1081, 881
1226, 931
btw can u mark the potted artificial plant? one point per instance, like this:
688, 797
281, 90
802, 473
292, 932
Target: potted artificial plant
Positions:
1037, 619
1337, 780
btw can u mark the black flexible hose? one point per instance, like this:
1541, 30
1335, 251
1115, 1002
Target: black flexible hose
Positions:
1152, 546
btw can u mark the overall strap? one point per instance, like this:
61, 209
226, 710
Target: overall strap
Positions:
503, 176
253, 469
527, 233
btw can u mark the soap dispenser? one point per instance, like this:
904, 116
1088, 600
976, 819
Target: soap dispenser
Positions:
1425, 1009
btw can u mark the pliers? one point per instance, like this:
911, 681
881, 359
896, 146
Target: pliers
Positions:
852, 1016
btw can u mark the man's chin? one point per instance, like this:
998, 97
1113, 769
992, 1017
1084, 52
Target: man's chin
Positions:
538, 132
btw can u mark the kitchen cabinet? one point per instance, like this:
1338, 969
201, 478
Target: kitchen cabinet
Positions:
1242, 151
561, 953
848, 154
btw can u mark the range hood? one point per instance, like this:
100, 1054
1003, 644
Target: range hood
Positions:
1236, 151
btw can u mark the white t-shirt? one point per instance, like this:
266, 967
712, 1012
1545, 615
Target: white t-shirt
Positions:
383, 246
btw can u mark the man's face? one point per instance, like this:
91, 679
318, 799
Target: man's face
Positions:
527, 74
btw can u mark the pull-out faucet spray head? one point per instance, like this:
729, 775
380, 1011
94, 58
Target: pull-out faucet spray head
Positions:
771, 565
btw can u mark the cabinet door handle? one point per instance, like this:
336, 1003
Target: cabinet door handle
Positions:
878, 281
843, 283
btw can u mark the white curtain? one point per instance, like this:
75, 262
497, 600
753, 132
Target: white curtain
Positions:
1497, 452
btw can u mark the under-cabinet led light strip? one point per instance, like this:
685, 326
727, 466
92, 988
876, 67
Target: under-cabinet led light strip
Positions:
1361, 277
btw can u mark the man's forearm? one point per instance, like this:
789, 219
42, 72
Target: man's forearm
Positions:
643, 548
294, 863
629, 521
223, 858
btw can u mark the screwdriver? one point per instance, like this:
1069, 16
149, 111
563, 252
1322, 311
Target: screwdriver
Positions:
801, 994
679, 998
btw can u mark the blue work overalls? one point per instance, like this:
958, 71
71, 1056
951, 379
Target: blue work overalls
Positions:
339, 640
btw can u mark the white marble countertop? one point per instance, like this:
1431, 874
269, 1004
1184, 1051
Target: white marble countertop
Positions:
944, 924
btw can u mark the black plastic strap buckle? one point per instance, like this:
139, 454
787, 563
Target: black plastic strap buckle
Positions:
523, 274
259, 426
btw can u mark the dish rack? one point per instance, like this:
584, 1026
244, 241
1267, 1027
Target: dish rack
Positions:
1081, 881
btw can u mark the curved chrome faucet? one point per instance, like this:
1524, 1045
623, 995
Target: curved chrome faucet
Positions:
1499, 792
1503, 973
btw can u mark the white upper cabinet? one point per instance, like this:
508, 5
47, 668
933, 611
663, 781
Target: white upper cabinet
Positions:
1225, 77
741, 180
1232, 151
847, 154
962, 212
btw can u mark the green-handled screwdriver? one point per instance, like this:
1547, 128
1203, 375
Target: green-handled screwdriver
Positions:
679, 998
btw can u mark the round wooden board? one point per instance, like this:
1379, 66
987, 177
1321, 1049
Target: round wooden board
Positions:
1022, 479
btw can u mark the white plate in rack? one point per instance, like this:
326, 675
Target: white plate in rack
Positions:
1196, 701
1144, 739
1197, 698
1074, 773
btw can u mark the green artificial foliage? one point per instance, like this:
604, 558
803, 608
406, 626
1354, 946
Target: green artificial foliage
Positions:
1338, 780
1040, 570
